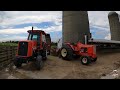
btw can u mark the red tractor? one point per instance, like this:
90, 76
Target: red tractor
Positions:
87, 53
35, 48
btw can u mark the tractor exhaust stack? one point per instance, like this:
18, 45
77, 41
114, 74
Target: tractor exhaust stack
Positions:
32, 33
32, 28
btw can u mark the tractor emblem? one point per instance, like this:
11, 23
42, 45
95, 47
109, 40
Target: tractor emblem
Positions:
23, 43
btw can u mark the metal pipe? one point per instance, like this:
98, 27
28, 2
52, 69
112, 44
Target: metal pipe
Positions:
85, 39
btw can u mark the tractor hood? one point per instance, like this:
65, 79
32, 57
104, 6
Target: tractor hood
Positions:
26, 47
33, 44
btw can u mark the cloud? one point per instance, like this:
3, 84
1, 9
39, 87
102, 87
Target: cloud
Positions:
99, 27
13, 38
99, 24
15, 34
1, 16
25, 29
22, 17
9, 19
99, 18
108, 37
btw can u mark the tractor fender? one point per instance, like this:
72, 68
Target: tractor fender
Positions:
68, 44
44, 45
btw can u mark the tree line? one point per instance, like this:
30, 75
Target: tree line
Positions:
52, 43
10, 41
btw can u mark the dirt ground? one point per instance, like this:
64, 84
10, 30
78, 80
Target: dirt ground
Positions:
56, 68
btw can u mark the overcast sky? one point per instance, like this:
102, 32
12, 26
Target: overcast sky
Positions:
15, 24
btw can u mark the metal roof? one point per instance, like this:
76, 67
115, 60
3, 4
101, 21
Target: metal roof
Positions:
104, 41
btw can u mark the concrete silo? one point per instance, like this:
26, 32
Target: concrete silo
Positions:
75, 25
114, 25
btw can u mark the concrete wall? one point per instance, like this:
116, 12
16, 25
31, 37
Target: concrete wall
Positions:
114, 25
75, 25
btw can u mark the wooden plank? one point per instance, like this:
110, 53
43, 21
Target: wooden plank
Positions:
5, 50
3, 56
6, 59
3, 59
8, 49
4, 53
7, 55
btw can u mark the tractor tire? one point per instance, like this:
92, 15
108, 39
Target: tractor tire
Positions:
48, 52
94, 59
44, 55
17, 63
66, 52
39, 62
77, 56
85, 60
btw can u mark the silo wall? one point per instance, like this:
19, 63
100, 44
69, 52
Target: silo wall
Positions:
75, 25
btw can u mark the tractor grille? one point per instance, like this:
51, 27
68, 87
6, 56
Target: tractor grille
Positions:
23, 48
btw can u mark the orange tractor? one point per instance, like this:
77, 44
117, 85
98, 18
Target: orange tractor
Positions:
87, 53
35, 48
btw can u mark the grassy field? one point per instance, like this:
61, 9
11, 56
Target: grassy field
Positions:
53, 46
15, 44
8, 44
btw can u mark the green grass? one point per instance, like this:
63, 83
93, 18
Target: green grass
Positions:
15, 44
8, 44
53, 46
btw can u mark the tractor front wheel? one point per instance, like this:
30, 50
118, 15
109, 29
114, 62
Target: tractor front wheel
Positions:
44, 55
85, 60
17, 63
39, 62
94, 59
66, 52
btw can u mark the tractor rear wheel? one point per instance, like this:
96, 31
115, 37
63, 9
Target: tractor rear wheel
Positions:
85, 60
66, 52
77, 56
17, 63
39, 62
